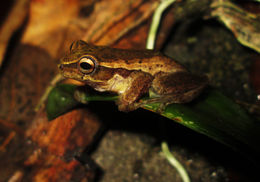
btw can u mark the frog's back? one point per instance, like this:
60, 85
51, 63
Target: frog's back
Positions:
148, 61
144, 60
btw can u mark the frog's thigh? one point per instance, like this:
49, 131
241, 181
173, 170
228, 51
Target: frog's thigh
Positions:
140, 83
180, 86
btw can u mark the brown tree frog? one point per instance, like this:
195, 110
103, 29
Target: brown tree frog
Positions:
131, 74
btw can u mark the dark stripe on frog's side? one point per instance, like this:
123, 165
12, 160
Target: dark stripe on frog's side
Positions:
103, 73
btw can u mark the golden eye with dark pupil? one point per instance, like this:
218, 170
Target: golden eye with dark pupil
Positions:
86, 65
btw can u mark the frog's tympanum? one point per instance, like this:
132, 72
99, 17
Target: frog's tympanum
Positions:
131, 74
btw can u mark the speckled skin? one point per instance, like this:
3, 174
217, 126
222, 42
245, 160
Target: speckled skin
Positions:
132, 73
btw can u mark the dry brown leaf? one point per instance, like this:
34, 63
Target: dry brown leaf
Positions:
69, 133
23, 81
47, 23
114, 21
15, 19
50, 154
244, 25
53, 25
47, 167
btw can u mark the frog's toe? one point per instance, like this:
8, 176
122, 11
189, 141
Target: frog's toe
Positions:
161, 107
126, 107
80, 96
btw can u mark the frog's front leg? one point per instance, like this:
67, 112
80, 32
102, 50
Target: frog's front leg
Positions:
140, 83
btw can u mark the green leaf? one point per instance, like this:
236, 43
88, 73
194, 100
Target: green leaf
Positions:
218, 117
212, 114
65, 97
60, 100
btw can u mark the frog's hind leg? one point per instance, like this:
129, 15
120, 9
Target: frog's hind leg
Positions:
180, 87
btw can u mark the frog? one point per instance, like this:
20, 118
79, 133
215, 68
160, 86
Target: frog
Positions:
131, 74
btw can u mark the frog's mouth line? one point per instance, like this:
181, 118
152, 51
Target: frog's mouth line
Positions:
71, 65
67, 68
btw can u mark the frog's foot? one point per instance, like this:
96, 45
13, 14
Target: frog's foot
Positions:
127, 107
165, 100
159, 109
80, 96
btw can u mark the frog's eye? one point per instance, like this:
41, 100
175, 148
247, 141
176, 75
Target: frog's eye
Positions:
86, 65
